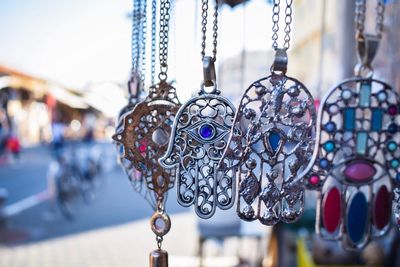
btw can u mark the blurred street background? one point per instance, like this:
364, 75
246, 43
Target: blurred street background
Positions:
63, 72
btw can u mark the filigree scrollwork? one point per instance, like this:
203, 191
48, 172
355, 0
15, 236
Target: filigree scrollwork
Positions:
357, 163
145, 136
271, 144
199, 137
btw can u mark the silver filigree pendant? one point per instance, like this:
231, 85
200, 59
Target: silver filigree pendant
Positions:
145, 136
271, 144
357, 165
198, 140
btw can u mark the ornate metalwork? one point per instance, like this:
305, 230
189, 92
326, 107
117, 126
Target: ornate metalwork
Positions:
146, 133
358, 138
271, 143
198, 140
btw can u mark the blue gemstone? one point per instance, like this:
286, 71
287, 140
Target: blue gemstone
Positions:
365, 94
394, 163
324, 163
376, 122
392, 128
349, 119
329, 146
206, 131
362, 142
398, 177
274, 140
357, 218
330, 127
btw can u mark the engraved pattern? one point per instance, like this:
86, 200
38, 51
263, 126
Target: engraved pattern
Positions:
271, 143
358, 122
198, 139
145, 136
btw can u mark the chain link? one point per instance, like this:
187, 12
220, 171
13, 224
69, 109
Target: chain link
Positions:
135, 35
204, 16
276, 9
165, 6
153, 39
143, 38
360, 14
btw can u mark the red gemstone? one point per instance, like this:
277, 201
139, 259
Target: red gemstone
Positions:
392, 110
359, 171
143, 146
314, 180
332, 208
382, 208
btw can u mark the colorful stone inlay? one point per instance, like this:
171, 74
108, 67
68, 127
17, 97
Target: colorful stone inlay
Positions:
394, 163
361, 143
324, 163
314, 180
377, 118
382, 96
330, 127
393, 110
349, 119
382, 208
392, 128
274, 140
332, 209
329, 146
359, 171
391, 146
206, 131
347, 94
365, 94
357, 218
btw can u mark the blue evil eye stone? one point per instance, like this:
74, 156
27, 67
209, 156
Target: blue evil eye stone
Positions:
274, 140
330, 127
206, 131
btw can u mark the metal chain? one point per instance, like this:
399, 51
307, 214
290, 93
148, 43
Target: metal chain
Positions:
204, 16
143, 38
275, 23
165, 6
135, 35
359, 19
153, 39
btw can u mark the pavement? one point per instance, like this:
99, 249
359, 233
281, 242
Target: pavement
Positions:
111, 230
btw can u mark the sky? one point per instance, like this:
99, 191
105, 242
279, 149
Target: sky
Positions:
78, 43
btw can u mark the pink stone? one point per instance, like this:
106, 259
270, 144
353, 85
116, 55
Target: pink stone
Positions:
382, 208
314, 180
392, 110
359, 171
143, 146
332, 209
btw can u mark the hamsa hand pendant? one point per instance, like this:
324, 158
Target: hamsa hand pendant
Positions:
357, 165
145, 135
198, 140
271, 143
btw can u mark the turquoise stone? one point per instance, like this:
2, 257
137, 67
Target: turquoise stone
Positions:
357, 218
349, 119
394, 163
376, 121
362, 142
391, 146
274, 140
329, 146
365, 94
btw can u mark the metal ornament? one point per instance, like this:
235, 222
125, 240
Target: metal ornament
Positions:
198, 140
356, 168
135, 89
272, 141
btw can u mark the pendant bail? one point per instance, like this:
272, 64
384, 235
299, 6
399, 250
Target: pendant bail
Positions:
367, 46
134, 85
280, 61
209, 71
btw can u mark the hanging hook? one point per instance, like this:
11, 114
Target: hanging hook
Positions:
209, 71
